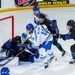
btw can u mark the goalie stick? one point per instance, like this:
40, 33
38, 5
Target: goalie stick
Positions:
4, 62
29, 52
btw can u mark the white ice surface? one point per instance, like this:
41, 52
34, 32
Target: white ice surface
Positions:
59, 67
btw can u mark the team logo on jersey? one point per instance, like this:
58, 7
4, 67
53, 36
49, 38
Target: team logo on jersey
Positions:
22, 3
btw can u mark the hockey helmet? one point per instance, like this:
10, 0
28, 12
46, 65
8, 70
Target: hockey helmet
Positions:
24, 35
42, 16
71, 23
36, 8
29, 26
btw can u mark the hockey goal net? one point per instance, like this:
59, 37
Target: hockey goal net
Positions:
6, 29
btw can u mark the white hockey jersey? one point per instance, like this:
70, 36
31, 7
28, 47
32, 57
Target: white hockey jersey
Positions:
40, 35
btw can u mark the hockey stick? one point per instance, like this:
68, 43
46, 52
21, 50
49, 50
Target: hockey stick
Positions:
10, 59
29, 52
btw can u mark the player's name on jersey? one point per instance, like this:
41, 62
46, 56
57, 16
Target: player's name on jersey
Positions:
52, 3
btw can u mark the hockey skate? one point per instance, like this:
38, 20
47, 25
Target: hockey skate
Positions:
50, 59
63, 53
46, 65
72, 61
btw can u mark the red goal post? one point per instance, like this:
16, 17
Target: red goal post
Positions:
12, 23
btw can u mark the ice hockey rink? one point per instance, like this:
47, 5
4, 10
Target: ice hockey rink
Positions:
21, 19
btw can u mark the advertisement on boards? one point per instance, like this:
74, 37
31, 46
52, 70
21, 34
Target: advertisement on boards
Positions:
22, 3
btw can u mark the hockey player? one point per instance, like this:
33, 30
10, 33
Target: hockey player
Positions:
42, 41
16, 45
52, 27
36, 12
70, 35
